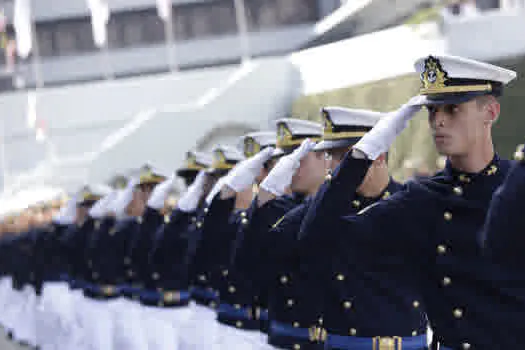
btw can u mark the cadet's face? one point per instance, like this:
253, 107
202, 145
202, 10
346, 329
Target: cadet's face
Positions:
81, 213
459, 129
310, 174
22, 223
333, 158
209, 182
138, 201
188, 180
268, 166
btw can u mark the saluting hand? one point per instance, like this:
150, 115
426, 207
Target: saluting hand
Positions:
124, 197
189, 201
243, 175
101, 208
160, 192
281, 175
67, 213
380, 138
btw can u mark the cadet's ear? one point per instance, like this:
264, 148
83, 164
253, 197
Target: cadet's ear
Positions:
492, 106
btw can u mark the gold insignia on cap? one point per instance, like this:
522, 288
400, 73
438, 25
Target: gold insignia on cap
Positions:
121, 183
434, 77
88, 195
192, 163
284, 136
329, 132
148, 176
85, 192
251, 147
327, 122
219, 160
146, 172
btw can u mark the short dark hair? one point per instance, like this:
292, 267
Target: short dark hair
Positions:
485, 99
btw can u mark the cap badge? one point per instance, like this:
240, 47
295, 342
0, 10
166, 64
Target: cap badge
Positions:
433, 77
284, 136
328, 125
251, 147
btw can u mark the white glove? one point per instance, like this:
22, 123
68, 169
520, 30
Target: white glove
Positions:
380, 138
243, 174
102, 207
189, 200
68, 213
215, 189
123, 199
159, 194
281, 175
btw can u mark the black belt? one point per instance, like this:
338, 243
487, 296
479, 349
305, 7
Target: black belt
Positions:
205, 296
339, 342
237, 316
130, 292
286, 336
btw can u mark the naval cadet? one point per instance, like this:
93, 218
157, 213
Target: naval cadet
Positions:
302, 306
168, 257
106, 250
167, 302
501, 237
238, 186
51, 319
141, 229
208, 246
75, 239
211, 248
146, 208
503, 243
246, 292
19, 318
432, 223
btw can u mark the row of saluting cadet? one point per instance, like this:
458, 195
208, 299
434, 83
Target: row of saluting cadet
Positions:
301, 240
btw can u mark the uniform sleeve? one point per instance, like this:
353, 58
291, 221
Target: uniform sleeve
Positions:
387, 226
283, 240
215, 226
168, 255
253, 252
140, 246
179, 222
331, 201
66, 243
502, 236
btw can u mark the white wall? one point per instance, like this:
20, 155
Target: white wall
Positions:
491, 36
100, 128
362, 59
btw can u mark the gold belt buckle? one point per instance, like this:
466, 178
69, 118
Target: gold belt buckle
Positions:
317, 334
170, 297
109, 290
387, 343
